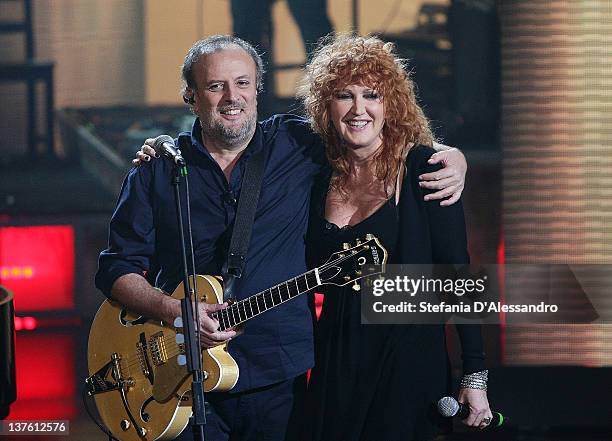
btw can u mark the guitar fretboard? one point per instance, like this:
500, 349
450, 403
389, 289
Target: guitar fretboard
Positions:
256, 304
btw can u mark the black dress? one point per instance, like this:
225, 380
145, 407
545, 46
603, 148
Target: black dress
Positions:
379, 382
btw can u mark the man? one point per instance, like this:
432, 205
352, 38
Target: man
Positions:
223, 75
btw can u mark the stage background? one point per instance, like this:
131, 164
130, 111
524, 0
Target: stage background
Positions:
523, 87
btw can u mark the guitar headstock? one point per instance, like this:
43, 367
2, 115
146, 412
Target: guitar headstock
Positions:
354, 262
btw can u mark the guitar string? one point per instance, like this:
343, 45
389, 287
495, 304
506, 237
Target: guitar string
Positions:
133, 359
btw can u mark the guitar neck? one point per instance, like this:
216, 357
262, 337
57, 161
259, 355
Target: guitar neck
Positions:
243, 310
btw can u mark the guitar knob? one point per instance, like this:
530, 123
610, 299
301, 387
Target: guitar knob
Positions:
356, 287
125, 425
346, 246
369, 236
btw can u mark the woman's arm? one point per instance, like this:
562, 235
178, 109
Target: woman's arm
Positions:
449, 245
448, 180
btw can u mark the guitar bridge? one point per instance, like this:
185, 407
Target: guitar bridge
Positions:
157, 346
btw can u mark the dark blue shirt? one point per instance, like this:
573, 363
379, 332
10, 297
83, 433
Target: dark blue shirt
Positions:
143, 236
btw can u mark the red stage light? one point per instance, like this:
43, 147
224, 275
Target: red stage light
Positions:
29, 323
318, 304
37, 265
46, 386
501, 260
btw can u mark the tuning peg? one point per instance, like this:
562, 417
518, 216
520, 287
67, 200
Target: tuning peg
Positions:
181, 360
358, 241
180, 338
346, 246
356, 287
369, 236
178, 322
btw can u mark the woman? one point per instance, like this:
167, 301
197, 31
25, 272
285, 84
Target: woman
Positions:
379, 382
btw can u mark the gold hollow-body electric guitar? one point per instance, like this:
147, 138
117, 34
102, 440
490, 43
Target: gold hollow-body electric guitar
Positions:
138, 377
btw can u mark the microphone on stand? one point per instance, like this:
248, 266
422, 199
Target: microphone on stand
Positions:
449, 407
164, 145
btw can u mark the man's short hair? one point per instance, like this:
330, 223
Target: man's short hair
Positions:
213, 44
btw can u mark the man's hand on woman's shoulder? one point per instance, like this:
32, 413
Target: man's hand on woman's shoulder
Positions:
449, 181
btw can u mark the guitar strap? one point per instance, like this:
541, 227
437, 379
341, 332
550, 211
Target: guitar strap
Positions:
243, 223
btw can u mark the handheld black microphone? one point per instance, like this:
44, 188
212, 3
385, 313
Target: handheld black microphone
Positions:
164, 145
449, 407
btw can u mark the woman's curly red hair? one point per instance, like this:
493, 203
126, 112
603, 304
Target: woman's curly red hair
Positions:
367, 61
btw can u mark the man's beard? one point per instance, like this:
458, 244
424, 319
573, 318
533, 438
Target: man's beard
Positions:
229, 136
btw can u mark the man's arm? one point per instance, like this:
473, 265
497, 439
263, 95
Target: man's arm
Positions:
131, 245
450, 179
134, 292
137, 295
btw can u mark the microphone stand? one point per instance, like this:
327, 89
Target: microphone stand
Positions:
193, 350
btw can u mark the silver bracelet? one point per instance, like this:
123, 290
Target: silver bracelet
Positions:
476, 380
